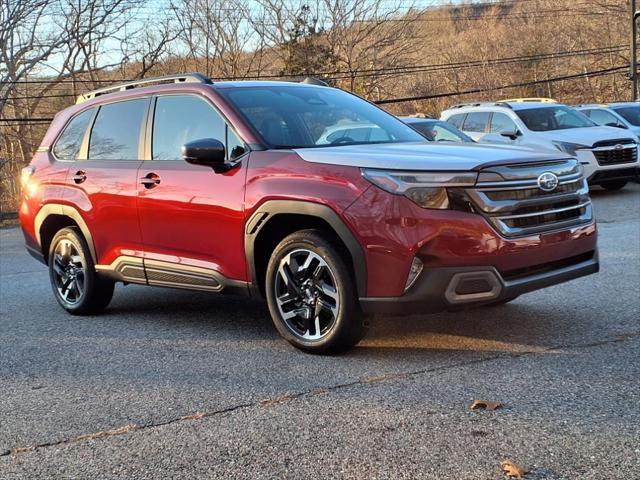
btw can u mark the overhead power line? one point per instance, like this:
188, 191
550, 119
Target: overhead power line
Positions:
594, 73
383, 71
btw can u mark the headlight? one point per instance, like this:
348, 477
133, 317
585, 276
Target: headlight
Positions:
25, 175
426, 189
570, 148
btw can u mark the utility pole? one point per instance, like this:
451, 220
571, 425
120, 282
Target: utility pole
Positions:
633, 74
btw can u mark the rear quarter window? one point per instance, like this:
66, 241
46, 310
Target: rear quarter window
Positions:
68, 145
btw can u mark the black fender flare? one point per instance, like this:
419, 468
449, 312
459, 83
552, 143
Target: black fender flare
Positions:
64, 211
272, 208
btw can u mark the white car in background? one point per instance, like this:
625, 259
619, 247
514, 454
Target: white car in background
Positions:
609, 155
625, 115
352, 132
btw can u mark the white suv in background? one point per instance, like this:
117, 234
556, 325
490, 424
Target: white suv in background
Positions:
608, 155
625, 115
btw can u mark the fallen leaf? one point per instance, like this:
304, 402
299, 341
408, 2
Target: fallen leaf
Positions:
510, 469
486, 404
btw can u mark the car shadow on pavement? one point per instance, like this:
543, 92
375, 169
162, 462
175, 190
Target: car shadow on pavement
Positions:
515, 328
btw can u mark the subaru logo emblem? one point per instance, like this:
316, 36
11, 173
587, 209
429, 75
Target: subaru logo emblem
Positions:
548, 181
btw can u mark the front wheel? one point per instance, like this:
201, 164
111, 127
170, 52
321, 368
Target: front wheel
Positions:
76, 286
613, 184
311, 294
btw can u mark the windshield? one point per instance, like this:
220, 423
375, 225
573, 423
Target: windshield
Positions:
553, 118
300, 117
438, 131
631, 114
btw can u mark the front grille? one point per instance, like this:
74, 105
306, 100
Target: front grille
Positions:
545, 217
532, 192
511, 200
619, 153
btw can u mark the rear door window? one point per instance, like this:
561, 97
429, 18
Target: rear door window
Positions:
116, 131
68, 145
476, 122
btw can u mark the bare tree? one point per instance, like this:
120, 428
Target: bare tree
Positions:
367, 35
218, 34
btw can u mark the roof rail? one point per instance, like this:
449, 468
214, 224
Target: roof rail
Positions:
184, 78
591, 105
530, 99
481, 104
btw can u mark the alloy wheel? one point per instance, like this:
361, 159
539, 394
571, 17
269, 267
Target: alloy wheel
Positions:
69, 272
306, 294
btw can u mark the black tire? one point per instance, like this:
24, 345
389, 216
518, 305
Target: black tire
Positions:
76, 286
332, 311
613, 184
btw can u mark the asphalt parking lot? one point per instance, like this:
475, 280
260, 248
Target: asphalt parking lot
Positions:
175, 384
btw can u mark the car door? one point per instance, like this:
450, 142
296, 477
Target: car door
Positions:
191, 218
103, 180
501, 123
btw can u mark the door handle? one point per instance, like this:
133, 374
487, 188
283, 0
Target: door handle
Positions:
79, 177
150, 180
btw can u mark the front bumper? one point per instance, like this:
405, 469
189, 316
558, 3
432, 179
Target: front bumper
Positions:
614, 174
594, 172
453, 288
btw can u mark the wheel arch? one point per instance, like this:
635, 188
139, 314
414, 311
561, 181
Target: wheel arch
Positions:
275, 219
51, 218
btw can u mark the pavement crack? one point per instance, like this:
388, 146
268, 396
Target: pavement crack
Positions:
133, 427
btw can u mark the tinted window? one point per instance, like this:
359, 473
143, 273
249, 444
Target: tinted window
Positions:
553, 118
630, 114
502, 123
602, 117
476, 122
299, 116
68, 145
116, 131
456, 120
179, 119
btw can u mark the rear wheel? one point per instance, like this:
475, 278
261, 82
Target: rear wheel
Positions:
613, 184
311, 294
76, 286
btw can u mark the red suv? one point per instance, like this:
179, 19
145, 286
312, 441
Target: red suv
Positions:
307, 195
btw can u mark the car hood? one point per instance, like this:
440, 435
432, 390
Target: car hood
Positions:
423, 156
589, 135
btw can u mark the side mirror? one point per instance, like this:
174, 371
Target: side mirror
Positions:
206, 151
617, 125
512, 134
